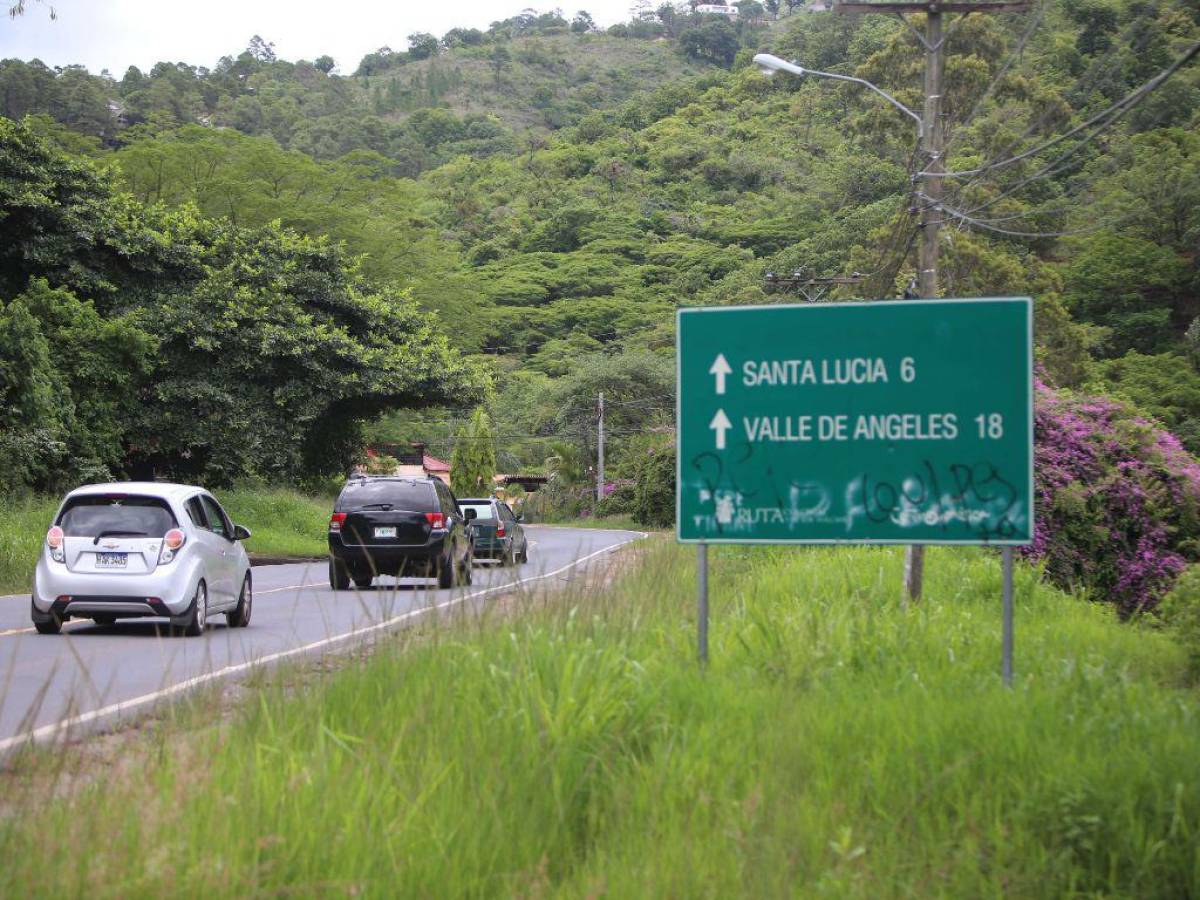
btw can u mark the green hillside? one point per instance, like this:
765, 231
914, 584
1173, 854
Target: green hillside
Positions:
538, 84
554, 194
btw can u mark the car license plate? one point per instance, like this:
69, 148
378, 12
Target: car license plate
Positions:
111, 560
385, 532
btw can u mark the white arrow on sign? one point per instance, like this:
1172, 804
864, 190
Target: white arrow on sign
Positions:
720, 368
720, 424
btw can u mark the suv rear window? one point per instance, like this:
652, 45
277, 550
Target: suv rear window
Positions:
482, 510
418, 496
116, 516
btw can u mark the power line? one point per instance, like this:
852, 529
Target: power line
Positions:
1013, 55
1088, 79
1116, 110
968, 219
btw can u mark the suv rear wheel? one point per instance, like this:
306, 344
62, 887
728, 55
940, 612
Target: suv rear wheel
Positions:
339, 578
447, 572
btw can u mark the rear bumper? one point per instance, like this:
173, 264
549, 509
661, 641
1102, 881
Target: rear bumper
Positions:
389, 559
166, 591
492, 548
119, 607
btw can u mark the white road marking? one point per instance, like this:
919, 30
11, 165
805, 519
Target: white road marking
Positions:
12, 631
56, 729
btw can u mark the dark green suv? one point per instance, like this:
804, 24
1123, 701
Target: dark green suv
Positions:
498, 531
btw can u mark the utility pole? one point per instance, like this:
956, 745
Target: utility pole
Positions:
931, 137
600, 455
933, 163
931, 222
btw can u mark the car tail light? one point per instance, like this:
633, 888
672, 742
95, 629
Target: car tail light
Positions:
336, 521
499, 531
436, 520
172, 541
54, 540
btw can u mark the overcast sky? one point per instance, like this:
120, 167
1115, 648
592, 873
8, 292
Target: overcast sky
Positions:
115, 34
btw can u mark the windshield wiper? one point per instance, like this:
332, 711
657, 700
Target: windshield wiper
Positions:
117, 533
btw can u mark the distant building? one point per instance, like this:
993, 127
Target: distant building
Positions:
529, 482
117, 112
412, 459
717, 9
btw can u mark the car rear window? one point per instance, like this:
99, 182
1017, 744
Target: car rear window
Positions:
482, 510
413, 495
116, 516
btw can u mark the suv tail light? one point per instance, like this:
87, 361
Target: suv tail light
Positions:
500, 530
172, 541
336, 521
436, 520
54, 540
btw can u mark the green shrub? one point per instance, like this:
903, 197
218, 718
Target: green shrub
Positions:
1180, 611
654, 492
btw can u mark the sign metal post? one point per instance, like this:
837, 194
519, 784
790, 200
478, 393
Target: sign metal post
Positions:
1007, 663
898, 422
702, 606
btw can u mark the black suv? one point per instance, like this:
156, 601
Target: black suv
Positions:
384, 525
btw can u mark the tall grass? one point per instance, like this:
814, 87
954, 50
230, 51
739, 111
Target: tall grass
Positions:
838, 745
284, 523
23, 524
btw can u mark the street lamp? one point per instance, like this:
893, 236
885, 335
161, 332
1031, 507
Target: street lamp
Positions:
772, 64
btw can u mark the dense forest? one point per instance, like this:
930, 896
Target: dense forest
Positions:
279, 243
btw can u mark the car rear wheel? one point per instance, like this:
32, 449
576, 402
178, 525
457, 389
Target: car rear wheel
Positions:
239, 616
524, 557
197, 619
52, 625
506, 556
339, 578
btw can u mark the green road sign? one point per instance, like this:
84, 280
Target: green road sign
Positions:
887, 422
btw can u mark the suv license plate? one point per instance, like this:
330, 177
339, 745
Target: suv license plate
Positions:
111, 560
385, 532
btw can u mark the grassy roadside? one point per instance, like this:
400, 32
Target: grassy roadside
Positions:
617, 523
838, 745
284, 523
23, 524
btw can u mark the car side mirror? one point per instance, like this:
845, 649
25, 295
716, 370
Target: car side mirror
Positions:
241, 533
471, 514
520, 517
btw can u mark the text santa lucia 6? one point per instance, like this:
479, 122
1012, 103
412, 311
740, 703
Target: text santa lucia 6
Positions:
862, 370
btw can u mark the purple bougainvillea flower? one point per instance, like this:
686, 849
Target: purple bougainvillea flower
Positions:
1118, 500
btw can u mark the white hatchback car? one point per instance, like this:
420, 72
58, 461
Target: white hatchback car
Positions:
142, 549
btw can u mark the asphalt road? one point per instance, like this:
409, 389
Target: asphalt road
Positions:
91, 675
